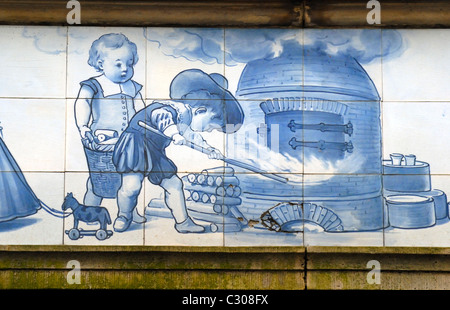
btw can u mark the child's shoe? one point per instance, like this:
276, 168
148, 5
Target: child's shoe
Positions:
137, 218
188, 226
121, 224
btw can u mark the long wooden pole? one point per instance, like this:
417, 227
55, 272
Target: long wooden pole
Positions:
223, 158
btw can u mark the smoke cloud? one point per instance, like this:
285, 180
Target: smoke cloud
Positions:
364, 45
49, 40
240, 46
205, 45
234, 46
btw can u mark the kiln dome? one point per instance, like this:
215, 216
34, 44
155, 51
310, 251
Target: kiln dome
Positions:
339, 77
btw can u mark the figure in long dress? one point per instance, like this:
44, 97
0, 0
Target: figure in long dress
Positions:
17, 199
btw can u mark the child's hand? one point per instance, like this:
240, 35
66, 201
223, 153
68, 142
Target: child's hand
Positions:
214, 153
83, 129
178, 139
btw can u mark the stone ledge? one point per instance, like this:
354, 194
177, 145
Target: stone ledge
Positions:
137, 248
398, 259
254, 268
400, 268
389, 280
230, 249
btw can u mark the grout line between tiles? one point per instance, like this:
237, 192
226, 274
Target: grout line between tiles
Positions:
66, 127
382, 134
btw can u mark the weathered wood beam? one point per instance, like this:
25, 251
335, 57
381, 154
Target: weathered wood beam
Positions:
155, 13
233, 13
394, 14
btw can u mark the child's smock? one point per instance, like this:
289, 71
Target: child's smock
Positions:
113, 104
143, 151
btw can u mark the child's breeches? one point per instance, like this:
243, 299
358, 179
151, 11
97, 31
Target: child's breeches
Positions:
128, 193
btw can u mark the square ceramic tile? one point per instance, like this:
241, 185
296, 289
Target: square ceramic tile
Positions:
416, 203
96, 128
34, 132
184, 210
419, 218
34, 60
342, 64
194, 144
419, 129
269, 211
31, 208
100, 208
343, 210
264, 144
415, 65
171, 51
264, 64
345, 203
342, 137
119, 46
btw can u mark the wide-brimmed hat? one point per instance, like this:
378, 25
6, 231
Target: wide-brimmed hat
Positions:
192, 80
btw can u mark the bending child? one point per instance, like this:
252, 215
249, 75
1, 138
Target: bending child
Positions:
199, 104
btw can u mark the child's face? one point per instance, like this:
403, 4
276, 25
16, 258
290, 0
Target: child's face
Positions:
201, 120
117, 64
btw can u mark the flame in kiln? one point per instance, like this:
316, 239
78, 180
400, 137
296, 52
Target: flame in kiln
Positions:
276, 162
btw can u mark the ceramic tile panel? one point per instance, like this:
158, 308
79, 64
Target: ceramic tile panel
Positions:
224, 137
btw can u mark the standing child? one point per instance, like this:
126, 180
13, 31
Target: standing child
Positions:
199, 103
103, 109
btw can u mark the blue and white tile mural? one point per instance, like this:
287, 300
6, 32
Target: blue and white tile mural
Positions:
224, 137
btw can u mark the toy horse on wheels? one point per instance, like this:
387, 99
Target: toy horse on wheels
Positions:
87, 214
